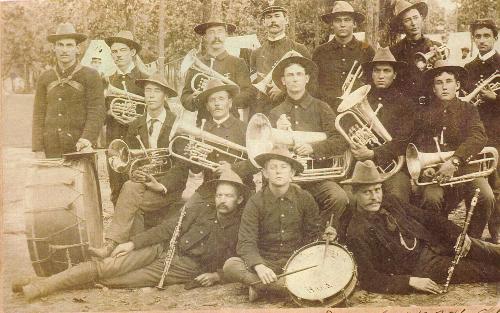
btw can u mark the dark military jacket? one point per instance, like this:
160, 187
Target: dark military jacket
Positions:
69, 105
488, 110
274, 227
204, 237
335, 61
233, 68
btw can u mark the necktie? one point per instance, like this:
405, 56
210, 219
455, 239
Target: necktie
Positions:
151, 125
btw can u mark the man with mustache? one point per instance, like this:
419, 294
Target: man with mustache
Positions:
124, 50
214, 34
484, 32
206, 238
408, 19
274, 18
276, 221
336, 57
68, 111
400, 248
450, 124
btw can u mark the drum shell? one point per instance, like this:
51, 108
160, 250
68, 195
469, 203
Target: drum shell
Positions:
63, 214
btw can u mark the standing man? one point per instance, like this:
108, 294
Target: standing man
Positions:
274, 18
449, 124
68, 112
124, 50
409, 19
214, 34
207, 237
400, 248
484, 32
336, 57
302, 112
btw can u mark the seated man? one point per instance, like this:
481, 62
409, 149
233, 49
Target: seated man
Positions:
143, 192
400, 248
206, 238
276, 221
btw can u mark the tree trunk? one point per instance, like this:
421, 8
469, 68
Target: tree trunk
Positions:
161, 39
293, 18
372, 21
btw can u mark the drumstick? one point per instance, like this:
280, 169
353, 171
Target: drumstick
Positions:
285, 274
327, 241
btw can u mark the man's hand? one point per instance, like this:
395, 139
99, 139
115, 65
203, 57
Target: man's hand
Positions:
196, 93
152, 184
223, 167
40, 155
275, 93
303, 149
425, 284
487, 93
429, 172
265, 274
330, 234
122, 249
445, 172
283, 123
465, 247
208, 279
361, 152
83, 145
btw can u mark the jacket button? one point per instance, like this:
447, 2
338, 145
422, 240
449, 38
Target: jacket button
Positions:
281, 244
201, 231
187, 241
282, 215
282, 231
59, 129
60, 99
59, 114
215, 222
296, 122
343, 60
379, 99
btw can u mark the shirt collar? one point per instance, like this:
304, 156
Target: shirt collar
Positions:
127, 71
67, 71
220, 122
219, 57
277, 38
351, 44
161, 117
227, 123
487, 55
290, 194
305, 101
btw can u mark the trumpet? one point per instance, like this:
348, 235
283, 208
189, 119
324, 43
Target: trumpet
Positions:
198, 144
268, 79
125, 106
122, 159
422, 60
482, 165
474, 97
205, 73
261, 138
351, 79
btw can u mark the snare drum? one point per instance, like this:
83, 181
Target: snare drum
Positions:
328, 284
63, 213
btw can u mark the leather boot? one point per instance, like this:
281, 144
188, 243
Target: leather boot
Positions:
79, 274
105, 251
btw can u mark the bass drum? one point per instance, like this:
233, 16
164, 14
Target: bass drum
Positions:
63, 213
328, 284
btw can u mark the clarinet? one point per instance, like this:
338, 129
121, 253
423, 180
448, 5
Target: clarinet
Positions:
461, 240
171, 248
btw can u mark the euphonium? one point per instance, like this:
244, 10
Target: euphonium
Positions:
482, 165
125, 104
197, 144
261, 138
422, 60
268, 79
122, 159
474, 97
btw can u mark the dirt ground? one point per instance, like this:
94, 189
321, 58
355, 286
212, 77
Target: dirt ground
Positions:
16, 261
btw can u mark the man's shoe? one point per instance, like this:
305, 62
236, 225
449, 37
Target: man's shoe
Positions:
253, 295
105, 251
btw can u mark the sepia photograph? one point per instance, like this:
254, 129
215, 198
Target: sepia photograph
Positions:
250, 156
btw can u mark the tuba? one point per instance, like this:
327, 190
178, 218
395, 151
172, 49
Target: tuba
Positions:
268, 79
261, 138
122, 159
474, 97
198, 144
125, 104
482, 165
205, 73
422, 60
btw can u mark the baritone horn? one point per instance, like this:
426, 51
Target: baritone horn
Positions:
197, 144
205, 73
474, 97
422, 60
125, 106
261, 138
481, 165
268, 79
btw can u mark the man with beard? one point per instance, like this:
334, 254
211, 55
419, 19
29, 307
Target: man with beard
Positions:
214, 34
336, 57
206, 238
484, 32
400, 248
68, 111
274, 18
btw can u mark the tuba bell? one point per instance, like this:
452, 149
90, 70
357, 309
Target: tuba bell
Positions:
422, 60
261, 137
482, 165
124, 104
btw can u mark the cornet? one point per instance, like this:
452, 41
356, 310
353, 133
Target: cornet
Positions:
474, 97
125, 105
422, 60
354, 73
205, 73
268, 79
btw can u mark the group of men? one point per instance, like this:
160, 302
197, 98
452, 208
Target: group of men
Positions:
228, 233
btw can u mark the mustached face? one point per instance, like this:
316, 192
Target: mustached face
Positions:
368, 197
66, 50
227, 198
275, 22
122, 55
215, 37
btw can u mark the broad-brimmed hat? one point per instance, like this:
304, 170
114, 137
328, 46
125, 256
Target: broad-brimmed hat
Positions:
125, 37
214, 85
444, 66
200, 29
272, 6
310, 67
401, 7
383, 56
279, 152
365, 173
159, 80
484, 22
342, 7
227, 177
66, 30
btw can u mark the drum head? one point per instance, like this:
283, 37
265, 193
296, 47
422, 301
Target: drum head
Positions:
330, 277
